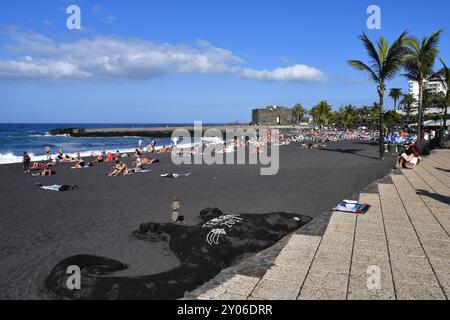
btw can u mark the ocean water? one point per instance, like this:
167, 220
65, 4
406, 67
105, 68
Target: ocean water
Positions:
33, 138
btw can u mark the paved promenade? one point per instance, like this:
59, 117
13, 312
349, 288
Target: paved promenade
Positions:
399, 250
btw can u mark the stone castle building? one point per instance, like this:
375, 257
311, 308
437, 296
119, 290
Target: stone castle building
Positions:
273, 116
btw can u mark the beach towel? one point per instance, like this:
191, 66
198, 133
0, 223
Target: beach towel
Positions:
175, 175
352, 207
59, 188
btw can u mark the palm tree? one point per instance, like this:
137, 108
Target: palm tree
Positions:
395, 94
321, 113
385, 63
375, 114
408, 103
347, 120
298, 112
445, 73
419, 62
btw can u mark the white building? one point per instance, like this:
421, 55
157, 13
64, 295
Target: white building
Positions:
432, 85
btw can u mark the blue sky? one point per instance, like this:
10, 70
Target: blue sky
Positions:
179, 61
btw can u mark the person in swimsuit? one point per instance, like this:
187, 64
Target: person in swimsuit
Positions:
45, 173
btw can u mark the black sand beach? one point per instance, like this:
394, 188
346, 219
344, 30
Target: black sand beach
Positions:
39, 228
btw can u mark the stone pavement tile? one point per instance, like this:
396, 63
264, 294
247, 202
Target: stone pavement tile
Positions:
406, 249
360, 236
370, 257
436, 244
286, 274
338, 217
241, 285
294, 258
341, 227
420, 263
371, 228
414, 276
336, 253
377, 246
331, 234
330, 265
429, 227
327, 280
441, 265
410, 291
444, 278
230, 296
275, 290
411, 240
430, 235
314, 293
400, 230
438, 253
304, 240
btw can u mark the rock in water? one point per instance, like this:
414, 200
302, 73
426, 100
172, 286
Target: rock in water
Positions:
204, 250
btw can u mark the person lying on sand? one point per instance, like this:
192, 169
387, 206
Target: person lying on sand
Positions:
68, 158
44, 173
99, 159
138, 165
121, 169
79, 164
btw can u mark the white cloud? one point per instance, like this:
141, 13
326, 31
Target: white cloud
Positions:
108, 58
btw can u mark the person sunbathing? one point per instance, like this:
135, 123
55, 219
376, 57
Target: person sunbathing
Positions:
80, 164
99, 159
138, 166
68, 158
121, 169
46, 172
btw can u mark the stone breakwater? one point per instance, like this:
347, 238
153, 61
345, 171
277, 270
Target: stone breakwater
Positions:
158, 132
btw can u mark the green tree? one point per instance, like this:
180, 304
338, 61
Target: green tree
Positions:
419, 62
321, 113
391, 118
395, 94
408, 102
385, 63
299, 112
445, 73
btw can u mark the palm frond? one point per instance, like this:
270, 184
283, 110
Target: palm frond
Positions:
359, 65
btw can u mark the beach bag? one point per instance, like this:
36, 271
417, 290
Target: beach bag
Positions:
352, 207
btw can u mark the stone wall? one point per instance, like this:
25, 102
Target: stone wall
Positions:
273, 116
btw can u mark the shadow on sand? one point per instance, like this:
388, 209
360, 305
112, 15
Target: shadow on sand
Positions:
350, 151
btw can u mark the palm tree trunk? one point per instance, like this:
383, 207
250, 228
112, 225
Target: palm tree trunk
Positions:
381, 122
420, 110
445, 114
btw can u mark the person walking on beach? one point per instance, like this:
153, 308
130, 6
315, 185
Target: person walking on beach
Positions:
175, 206
48, 152
141, 145
153, 145
26, 159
